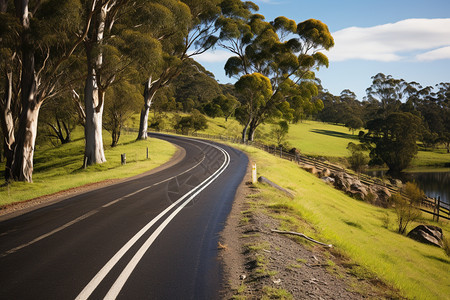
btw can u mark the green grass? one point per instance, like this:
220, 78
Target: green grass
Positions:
357, 229
318, 139
59, 168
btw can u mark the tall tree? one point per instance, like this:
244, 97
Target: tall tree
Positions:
36, 43
103, 63
188, 31
283, 51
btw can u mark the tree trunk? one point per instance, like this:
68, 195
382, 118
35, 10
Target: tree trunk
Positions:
143, 123
93, 101
22, 162
7, 125
251, 130
244, 131
149, 92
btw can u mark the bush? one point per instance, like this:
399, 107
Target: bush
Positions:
192, 123
357, 159
406, 213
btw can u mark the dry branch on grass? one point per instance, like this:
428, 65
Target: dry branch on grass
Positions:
303, 236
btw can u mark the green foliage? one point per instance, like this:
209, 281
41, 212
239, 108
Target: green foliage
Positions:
279, 132
405, 210
191, 123
394, 139
358, 159
123, 101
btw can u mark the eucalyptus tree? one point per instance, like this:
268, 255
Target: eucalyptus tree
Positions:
104, 62
37, 39
185, 29
282, 51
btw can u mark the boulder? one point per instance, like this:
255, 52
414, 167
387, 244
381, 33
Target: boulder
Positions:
342, 181
427, 234
381, 194
326, 172
310, 169
358, 189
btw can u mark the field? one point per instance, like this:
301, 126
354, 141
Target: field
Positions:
362, 232
319, 139
59, 168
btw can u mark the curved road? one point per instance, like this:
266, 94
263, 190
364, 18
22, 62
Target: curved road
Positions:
154, 237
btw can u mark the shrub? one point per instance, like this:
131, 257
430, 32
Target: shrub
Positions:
405, 210
191, 123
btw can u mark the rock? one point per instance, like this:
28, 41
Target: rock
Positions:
359, 190
381, 194
328, 180
342, 181
310, 169
326, 172
427, 234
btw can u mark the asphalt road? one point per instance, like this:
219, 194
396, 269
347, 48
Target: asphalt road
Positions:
154, 237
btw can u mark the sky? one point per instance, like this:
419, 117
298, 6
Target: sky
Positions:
408, 39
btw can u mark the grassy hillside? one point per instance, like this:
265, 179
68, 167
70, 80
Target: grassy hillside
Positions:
364, 233
59, 168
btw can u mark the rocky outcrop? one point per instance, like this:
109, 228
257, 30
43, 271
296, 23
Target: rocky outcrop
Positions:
375, 194
427, 234
381, 195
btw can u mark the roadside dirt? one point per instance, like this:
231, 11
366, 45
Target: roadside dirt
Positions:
261, 264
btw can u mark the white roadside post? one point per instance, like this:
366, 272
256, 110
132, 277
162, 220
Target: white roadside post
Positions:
254, 175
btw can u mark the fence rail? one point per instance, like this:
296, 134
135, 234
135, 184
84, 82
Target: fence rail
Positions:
429, 205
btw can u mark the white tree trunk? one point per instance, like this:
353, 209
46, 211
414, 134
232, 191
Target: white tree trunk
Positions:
22, 164
93, 100
149, 92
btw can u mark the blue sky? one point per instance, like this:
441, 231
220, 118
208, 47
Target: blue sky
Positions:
407, 39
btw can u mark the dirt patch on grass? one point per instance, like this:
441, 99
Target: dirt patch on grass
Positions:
261, 264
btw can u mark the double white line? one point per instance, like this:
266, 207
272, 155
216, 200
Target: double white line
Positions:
123, 277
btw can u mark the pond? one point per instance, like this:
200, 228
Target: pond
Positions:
434, 184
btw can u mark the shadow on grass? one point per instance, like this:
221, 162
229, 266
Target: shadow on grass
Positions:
442, 260
335, 134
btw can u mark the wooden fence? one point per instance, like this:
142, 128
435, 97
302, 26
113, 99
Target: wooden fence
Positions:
432, 206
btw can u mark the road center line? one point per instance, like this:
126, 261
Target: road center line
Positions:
86, 215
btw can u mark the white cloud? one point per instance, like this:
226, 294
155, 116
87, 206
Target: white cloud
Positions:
213, 56
441, 53
394, 41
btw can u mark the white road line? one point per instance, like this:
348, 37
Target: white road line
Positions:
92, 212
92, 285
87, 215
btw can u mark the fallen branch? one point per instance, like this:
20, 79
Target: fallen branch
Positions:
303, 236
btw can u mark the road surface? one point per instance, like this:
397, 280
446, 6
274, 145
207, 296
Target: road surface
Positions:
154, 237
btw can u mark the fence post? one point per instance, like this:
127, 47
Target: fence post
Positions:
254, 174
438, 208
281, 152
147, 152
123, 158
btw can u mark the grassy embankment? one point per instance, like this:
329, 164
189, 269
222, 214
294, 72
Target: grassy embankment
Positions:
59, 168
360, 231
